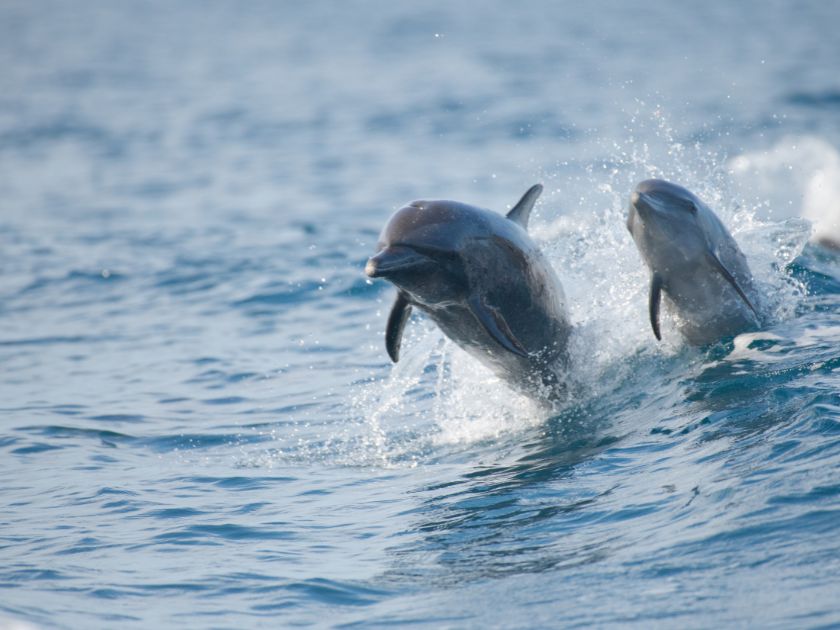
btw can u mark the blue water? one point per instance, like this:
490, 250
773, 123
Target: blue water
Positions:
199, 425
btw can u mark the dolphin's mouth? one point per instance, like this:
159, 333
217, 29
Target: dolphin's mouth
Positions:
640, 211
393, 260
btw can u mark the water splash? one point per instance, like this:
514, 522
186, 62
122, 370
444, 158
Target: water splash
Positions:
439, 399
797, 177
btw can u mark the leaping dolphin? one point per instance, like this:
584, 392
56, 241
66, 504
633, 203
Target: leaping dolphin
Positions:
694, 261
484, 282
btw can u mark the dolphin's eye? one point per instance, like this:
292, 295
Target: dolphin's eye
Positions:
678, 204
445, 260
432, 252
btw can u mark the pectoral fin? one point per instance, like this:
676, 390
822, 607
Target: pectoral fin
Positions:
496, 326
400, 312
721, 268
654, 300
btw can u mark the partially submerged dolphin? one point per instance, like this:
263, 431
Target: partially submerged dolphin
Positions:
484, 282
694, 261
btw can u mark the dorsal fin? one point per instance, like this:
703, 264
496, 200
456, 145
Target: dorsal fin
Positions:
522, 210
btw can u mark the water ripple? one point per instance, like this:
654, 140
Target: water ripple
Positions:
200, 425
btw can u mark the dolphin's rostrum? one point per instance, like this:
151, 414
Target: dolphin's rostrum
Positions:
694, 261
485, 283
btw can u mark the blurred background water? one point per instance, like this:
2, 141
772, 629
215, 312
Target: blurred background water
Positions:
199, 424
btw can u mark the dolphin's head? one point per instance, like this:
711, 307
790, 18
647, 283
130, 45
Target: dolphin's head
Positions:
662, 219
419, 250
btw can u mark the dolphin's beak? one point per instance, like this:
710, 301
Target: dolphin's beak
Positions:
641, 202
392, 260
639, 209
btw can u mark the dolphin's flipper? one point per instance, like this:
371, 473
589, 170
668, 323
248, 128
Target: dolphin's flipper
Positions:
521, 212
495, 325
653, 303
721, 268
400, 312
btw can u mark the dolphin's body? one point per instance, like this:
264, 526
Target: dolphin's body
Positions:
484, 282
694, 261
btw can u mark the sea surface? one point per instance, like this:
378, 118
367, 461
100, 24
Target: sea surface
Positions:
199, 425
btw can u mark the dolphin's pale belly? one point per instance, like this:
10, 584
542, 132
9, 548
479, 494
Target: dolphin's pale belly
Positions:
707, 308
537, 374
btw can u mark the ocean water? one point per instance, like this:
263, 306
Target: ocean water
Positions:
199, 425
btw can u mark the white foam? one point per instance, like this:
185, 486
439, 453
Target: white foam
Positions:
798, 177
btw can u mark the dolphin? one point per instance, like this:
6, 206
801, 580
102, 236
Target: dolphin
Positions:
484, 282
694, 261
